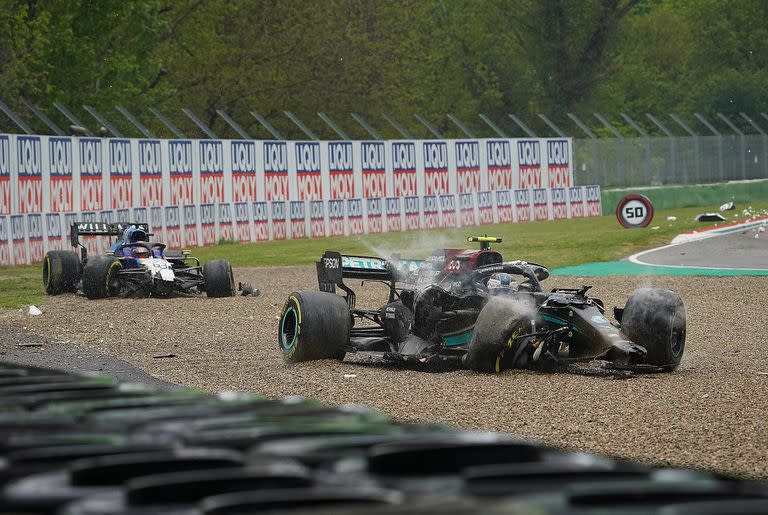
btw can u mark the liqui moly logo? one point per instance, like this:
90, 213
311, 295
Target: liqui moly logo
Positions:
260, 219
91, 171
120, 174
19, 247
529, 160
308, 170
211, 171
374, 169
155, 216
60, 166
243, 157
122, 213
523, 205
394, 206
355, 216
336, 217
467, 209
35, 237
260, 212
448, 210
243, 223
499, 164
558, 163
275, 170
5, 179
317, 218
298, 219
576, 201
5, 257
53, 227
404, 168
180, 158
411, 208
374, 207
150, 173
172, 226
340, 167
485, 206
29, 187
559, 203
225, 222
540, 204
468, 166
297, 210
208, 223
592, 197
435, 167
278, 219
190, 225
431, 217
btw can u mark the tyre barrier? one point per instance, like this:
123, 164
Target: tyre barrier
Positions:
79, 444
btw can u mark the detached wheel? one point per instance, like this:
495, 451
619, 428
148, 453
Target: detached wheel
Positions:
492, 345
655, 319
218, 279
100, 277
61, 272
314, 325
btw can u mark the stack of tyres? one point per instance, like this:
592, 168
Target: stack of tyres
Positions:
76, 444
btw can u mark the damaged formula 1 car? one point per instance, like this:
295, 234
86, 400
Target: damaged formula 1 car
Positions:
133, 265
473, 308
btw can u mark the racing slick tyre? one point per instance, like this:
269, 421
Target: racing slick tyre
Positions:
218, 279
500, 321
61, 272
314, 325
655, 319
100, 277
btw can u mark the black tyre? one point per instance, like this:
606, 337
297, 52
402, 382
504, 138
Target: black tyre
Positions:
61, 272
218, 279
100, 277
655, 319
314, 325
492, 346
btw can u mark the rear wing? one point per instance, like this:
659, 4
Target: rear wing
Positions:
334, 267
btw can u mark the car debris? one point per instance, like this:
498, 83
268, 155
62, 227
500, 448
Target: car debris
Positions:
246, 290
710, 217
34, 311
728, 206
471, 308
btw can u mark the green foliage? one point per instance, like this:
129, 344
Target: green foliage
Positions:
398, 57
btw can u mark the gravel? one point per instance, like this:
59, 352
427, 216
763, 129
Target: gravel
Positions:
709, 414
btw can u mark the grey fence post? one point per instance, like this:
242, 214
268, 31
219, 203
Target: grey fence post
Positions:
71, 117
264, 123
742, 143
55, 128
523, 126
463, 128
243, 134
620, 138
595, 148
552, 126
134, 121
399, 128
333, 126
300, 125
493, 126
696, 157
672, 146
646, 139
763, 139
197, 121
366, 126
719, 142
165, 121
103, 121
429, 126
15, 118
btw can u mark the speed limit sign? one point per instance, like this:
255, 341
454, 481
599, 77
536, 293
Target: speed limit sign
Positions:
634, 211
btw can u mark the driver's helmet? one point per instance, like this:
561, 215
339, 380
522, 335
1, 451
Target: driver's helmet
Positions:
133, 234
141, 253
501, 284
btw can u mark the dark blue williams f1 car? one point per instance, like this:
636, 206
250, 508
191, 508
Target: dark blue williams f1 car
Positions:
475, 309
132, 265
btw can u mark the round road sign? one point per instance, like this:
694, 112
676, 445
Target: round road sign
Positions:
634, 211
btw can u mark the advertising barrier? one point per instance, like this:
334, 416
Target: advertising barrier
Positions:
199, 192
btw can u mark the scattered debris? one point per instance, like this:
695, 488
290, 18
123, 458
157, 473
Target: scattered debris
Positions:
246, 290
757, 236
710, 217
655, 227
728, 206
671, 218
350, 376
30, 344
761, 228
160, 356
34, 311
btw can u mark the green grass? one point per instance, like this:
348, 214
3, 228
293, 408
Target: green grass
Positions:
554, 244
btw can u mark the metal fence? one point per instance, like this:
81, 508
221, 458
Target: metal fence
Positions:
656, 161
